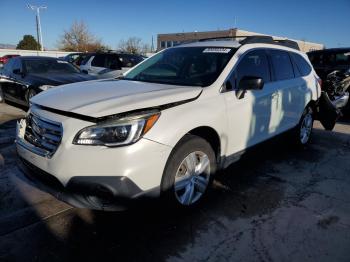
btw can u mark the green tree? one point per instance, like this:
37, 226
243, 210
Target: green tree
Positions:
28, 43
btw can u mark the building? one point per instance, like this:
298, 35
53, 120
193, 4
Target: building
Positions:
169, 40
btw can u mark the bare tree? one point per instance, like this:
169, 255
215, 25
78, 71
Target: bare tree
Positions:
78, 38
133, 45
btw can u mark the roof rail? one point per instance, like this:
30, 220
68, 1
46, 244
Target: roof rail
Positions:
252, 39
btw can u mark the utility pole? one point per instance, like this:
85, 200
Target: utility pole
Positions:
152, 46
38, 24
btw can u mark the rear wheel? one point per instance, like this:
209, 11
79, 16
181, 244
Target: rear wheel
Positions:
303, 131
188, 172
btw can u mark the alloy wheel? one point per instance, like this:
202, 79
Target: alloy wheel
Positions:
306, 128
192, 178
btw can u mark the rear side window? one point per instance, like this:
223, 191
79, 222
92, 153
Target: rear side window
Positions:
99, 61
342, 58
282, 65
302, 66
85, 59
129, 60
254, 63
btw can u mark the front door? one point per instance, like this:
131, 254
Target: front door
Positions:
249, 111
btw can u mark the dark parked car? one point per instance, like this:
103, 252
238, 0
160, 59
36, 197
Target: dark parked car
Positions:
329, 60
24, 77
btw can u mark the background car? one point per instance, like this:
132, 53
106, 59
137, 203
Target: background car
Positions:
121, 62
24, 77
5, 58
327, 61
333, 66
75, 58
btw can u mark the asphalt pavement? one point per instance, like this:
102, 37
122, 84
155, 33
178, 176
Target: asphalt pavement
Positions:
278, 203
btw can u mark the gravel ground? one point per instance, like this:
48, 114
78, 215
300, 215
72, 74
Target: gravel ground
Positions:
277, 203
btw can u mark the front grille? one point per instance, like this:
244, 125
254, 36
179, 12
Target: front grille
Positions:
42, 133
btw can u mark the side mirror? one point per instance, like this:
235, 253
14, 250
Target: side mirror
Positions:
251, 83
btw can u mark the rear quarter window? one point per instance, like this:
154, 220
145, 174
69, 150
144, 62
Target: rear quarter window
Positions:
301, 65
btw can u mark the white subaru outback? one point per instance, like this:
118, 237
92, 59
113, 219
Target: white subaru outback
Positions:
166, 126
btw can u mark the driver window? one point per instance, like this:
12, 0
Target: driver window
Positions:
254, 63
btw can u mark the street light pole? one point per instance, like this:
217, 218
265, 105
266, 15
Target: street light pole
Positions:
38, 24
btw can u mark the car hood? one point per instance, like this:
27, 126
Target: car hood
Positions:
108, 97
58, 79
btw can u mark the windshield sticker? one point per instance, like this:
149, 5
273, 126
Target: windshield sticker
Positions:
217, 50
61, 61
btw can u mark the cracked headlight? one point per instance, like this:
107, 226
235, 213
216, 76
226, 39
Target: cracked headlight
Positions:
118, 132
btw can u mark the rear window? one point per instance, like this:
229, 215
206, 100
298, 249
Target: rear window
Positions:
302, 66
282, 65
342, 58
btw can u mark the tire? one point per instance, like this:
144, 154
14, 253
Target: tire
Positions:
30, 94
303, 131
188, 172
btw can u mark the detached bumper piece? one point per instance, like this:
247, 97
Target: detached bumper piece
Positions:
99, 193
328, 112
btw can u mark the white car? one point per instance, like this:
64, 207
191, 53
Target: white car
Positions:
166, 127
115, 63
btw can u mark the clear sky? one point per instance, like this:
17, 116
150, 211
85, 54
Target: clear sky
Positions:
323, 21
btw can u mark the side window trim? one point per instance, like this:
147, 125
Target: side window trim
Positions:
292, 63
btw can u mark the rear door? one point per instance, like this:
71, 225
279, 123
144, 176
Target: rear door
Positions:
289, 98
20, 87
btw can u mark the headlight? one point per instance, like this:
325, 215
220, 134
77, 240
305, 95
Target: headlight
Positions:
119, 132
45, 87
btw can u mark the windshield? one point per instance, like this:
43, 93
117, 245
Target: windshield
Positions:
45, 66
186, 66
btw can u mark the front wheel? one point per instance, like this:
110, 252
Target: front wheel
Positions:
188, 172
303, 131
